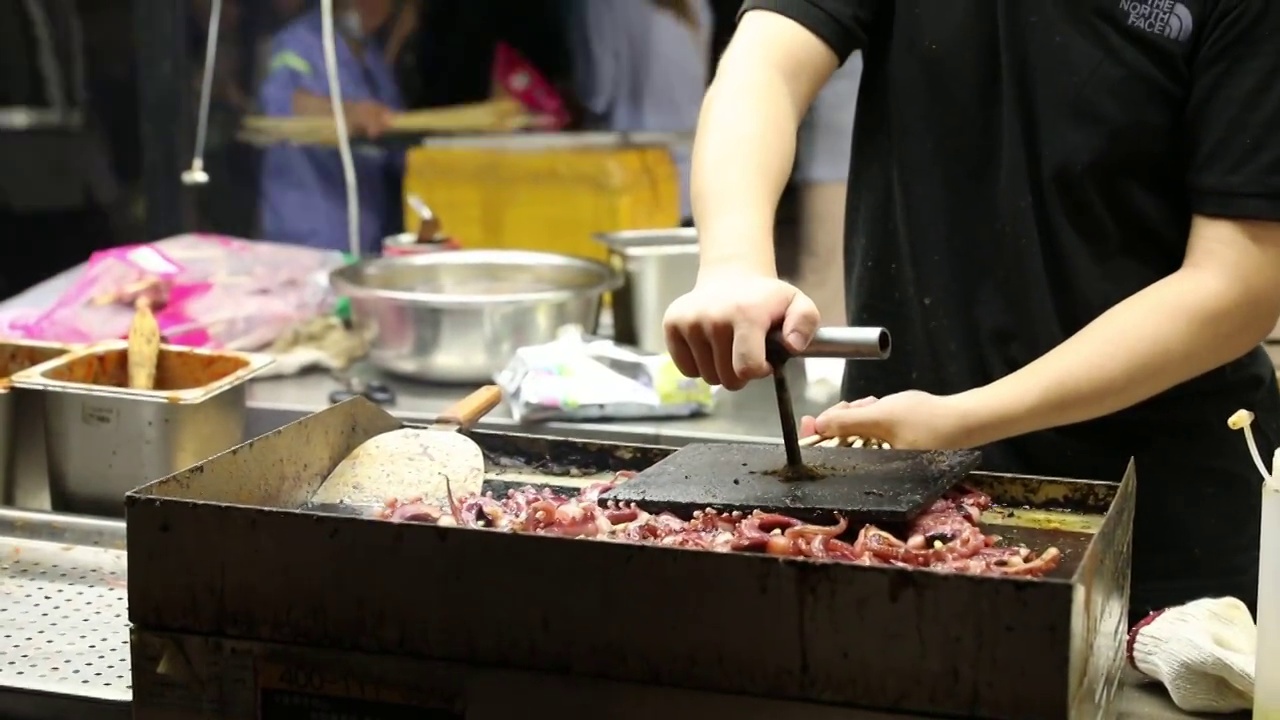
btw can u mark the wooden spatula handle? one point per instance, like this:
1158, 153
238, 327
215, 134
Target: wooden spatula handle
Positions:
143, 347
471, 408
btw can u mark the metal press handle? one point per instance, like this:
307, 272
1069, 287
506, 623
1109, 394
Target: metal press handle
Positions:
846, 343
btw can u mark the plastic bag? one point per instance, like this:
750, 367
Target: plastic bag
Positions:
207, 291
522, 81
579, 378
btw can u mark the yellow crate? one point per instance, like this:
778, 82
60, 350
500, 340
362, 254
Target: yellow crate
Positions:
548, 193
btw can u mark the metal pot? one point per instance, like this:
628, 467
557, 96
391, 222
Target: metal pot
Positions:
659, 266
458, 317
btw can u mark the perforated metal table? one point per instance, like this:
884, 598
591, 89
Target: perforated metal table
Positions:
64, 628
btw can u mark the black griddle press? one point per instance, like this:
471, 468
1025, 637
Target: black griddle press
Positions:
816, 483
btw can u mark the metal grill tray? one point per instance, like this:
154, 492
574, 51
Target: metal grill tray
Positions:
64, 631
222, 550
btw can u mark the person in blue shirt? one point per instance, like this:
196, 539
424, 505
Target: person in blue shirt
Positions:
303, 197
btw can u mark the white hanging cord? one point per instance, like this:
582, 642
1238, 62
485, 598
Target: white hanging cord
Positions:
196, 174
1242, 420
329, 39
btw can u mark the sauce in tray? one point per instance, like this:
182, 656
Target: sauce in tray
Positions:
1072, 544
1043, 519
175, 370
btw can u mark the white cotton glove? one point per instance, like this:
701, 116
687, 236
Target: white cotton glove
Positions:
1202, 652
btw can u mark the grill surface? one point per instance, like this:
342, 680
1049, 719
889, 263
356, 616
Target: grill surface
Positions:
64, 628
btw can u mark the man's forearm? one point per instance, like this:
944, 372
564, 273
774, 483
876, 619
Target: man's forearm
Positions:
1178, 328
746, 141
741, 161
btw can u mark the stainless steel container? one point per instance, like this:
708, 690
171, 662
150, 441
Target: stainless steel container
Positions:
22, 443
104, 439
658, 266
458, 317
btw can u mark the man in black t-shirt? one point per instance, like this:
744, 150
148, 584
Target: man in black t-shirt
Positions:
1068, 214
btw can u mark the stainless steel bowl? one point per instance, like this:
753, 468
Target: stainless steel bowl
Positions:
458, 317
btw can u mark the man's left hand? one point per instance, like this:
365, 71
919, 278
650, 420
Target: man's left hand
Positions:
911, 420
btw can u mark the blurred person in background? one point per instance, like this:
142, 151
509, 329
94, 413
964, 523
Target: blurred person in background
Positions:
401, 45
275, 15
284, 12
303, 197
56, 184
823, 149
643, 66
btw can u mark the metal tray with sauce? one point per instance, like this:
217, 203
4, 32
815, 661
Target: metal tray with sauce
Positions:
103, 437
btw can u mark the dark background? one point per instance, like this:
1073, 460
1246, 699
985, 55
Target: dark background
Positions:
143, 60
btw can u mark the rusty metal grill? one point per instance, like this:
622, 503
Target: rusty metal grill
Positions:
1056, 651
64, 628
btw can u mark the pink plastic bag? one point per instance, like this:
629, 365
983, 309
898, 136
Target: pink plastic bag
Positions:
207, 290
522, 81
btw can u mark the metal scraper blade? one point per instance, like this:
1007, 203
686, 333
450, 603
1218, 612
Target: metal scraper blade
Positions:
860, 484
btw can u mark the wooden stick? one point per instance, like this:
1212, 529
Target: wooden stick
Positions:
143, 348
854, 441
490, 116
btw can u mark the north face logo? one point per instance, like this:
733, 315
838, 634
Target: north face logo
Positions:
1168, 18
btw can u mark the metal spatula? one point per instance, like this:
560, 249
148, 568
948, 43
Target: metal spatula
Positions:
411, 462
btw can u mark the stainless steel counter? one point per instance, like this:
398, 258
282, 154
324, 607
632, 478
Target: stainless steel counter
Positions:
751, 413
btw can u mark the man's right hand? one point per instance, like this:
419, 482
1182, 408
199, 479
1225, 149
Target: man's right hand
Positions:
366, 118
717, 330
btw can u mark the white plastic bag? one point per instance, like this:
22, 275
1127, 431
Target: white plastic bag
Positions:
580, 378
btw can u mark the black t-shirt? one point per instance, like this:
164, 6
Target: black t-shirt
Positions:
1020, 167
